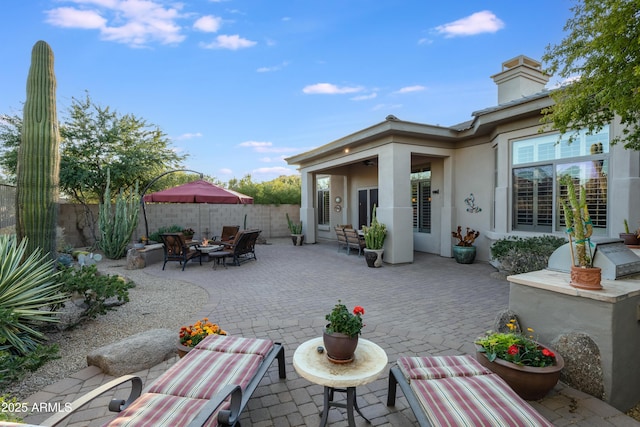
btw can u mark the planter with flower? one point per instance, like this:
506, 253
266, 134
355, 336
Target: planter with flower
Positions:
464, 252
530, 368
188, 233
191, 335
374, 237
579, 227
340, 336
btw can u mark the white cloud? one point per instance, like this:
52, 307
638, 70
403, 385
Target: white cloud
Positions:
477, 23
409, 89
277, 170
233, 42
188, 135
69, 17
266, 147
225, 171
386, 107
133, 22
330, 89
273, 68
364, 97
208, 24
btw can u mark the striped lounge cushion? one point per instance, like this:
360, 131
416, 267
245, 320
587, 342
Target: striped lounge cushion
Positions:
479, 400
231, 344
159, 410
425, 368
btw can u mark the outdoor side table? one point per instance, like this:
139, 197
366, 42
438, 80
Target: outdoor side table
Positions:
369, 362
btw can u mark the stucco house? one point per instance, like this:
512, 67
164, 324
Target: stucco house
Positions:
496, 173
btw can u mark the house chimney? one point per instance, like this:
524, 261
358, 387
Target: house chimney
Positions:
520, 77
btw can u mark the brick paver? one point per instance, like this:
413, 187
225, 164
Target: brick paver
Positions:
433, 306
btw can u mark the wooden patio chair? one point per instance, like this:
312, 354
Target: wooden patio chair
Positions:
342, 239
177, 249
354, 240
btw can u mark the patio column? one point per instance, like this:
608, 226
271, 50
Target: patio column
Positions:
307, 211
394, 197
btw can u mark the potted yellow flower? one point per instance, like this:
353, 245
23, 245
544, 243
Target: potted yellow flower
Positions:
191, 335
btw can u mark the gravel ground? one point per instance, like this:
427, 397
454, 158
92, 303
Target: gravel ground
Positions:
152, 305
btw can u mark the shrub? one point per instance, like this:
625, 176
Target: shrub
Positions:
170, 229
520, 255
13, 367
95, 288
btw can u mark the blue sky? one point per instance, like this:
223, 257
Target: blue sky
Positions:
239, 85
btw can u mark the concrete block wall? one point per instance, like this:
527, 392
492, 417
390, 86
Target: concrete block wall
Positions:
203, 218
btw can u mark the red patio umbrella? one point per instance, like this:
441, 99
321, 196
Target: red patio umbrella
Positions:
198, 192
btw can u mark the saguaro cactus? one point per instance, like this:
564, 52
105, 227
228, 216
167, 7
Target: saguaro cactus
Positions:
39, 156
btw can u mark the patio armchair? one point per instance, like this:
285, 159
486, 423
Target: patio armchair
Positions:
354, 240
342, 239
177, 249
229, 233
242, 248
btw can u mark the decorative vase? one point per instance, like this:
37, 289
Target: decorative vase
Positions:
373, 257
340, 347
586, 278
183, 350
464, 254
297, 239
529, 382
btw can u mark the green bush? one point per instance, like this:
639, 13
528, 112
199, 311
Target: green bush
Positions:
170, 229
520, 255
95, 288
13, 367
8, 402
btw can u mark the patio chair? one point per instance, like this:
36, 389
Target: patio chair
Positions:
243, 248
354, 240
177, 249
342, 239
209, 386
458, 390
228, 234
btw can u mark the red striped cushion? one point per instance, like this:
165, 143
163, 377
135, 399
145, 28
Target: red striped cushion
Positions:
232, 344
480, 400
206, 373
425, 368
159, 410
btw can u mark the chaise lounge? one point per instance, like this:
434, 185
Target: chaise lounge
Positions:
210, 386
458, 391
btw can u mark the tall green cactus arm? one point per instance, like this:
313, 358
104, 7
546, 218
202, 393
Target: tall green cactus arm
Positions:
39, 156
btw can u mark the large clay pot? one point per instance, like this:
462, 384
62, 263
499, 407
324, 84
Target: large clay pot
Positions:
297, 239
464, 254
373, 257
339, 347
528, 382
183, 350
586, 278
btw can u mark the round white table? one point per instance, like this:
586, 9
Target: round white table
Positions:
369, 362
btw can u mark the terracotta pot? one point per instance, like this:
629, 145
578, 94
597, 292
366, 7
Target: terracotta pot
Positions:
528, 382
183, 350
464, 254
340, 347
586, 278
630, 239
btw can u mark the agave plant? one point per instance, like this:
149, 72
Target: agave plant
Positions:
28, 284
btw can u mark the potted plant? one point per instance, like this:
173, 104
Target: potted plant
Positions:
296, 231
341, 333
188, 233
578, 222
464, 252
630, 239
530, 368
374, 237
191, 335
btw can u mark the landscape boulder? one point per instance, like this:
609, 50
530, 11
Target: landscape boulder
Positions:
135, 353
